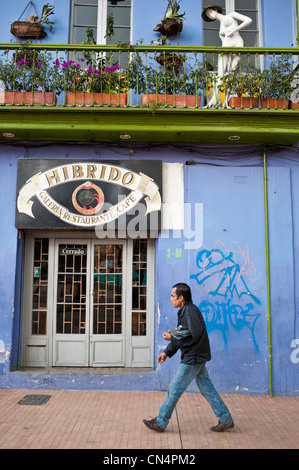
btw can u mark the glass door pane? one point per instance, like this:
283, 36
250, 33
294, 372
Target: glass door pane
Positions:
121, 20
71, 289
211, 28
139, 287
85, 14
40, 286
108, 279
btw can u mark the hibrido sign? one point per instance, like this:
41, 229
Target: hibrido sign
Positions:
84, 194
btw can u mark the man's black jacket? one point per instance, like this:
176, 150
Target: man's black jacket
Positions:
196, 347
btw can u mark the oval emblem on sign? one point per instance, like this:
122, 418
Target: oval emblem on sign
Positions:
88, 198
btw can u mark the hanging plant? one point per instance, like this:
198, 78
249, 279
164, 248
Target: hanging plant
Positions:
172, 22
168, 59
32, 26
23, 53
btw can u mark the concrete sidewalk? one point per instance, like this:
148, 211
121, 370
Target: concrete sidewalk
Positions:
113, 420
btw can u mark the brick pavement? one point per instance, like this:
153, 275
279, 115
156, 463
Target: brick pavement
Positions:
113, 420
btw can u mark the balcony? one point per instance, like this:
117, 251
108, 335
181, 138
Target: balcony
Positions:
95, 93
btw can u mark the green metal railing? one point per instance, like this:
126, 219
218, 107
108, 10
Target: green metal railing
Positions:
149, 76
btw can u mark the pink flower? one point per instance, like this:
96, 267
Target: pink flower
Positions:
22, 62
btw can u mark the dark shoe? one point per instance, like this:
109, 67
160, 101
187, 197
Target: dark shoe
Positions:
221, 427
152, 424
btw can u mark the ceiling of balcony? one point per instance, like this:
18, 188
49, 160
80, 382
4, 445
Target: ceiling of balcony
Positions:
203, 126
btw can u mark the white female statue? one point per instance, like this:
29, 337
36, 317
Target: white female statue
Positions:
230, 37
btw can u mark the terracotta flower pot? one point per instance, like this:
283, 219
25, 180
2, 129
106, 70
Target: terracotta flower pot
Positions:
99, 99
275, 103
180, 101
241, 102
294, 104
264, 103
37, 98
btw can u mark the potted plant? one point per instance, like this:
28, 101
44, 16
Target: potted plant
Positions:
243, 87
176, 85
95, 84
30, 84
277, 83
272, 87
95, 80
172, 22
32, 26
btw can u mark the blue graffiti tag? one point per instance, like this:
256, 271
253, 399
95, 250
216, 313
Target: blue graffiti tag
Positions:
222, 273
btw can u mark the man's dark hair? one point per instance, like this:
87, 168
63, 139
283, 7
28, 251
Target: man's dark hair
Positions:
184, 290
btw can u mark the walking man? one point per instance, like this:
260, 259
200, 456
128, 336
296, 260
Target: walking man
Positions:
191, 338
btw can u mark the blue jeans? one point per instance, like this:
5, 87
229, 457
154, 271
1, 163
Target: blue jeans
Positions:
184, 376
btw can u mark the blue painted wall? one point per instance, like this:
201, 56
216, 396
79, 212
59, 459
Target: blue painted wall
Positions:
278, 23
227, 271
275, 16
61, 18
147, 15
8, 250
